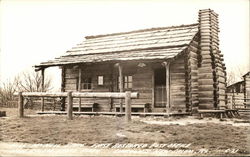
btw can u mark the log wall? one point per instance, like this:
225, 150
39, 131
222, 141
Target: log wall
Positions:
247, 86
142, 82
93, 71
192, 76
178, 85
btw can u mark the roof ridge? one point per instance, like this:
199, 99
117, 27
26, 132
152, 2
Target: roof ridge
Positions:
140, 30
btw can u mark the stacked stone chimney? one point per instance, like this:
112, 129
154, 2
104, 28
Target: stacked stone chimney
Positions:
212, 74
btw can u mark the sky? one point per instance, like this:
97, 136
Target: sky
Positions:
33, 31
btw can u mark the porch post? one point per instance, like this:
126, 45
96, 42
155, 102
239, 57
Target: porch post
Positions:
168, 107
120, 83
79, 86
63, 88
42, 84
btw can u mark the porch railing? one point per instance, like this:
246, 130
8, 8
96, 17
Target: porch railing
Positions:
70, 95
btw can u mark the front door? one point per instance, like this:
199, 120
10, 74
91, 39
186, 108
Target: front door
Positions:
160, 87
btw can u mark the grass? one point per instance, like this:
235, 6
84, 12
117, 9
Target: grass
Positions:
102, 129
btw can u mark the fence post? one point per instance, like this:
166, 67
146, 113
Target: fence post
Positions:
70, 106
20, 105
54, 104
231, 99
80, 103
128, 106
42, 104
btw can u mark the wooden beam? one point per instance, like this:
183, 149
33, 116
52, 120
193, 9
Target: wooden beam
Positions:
128, 106
120, 78
122, 95
70, 106
168, 106
111, 85
63, 88
79, 86
20, 105
80, 105
79, 79
153, 88
39, 68
42, 99
120, 83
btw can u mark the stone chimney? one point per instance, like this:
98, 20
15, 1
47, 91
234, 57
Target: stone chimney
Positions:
212, 74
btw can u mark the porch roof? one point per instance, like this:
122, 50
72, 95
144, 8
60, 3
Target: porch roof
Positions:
147, 44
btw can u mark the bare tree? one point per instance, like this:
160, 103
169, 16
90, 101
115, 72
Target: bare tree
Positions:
7, 90
231, 78
32, 82
29, 81
235, 74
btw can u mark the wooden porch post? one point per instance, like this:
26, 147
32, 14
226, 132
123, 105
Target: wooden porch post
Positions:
120, 83
168, 107
20, 105
42, 83
79, 86
63, 88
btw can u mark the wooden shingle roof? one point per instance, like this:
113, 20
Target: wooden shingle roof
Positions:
147, 44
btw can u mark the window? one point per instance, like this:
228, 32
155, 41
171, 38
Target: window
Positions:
86, 83
100, 80
127, 82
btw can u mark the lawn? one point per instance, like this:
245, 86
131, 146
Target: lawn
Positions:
55, 129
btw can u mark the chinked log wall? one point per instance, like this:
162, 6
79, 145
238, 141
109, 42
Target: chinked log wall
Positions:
72, 83
192, 75
212, 74
247, 86
178, 85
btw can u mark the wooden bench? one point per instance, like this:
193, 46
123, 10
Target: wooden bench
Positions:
216, 112
135, 105
91, 106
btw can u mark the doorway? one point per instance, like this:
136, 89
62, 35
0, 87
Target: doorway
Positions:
160, 87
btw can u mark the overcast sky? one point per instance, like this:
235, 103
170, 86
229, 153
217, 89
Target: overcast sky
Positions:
32, 31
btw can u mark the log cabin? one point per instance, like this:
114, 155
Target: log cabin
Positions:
246, 79
238, 93
174, 69
237, 87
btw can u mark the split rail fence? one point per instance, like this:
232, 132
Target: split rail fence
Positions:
71, 95
239, 102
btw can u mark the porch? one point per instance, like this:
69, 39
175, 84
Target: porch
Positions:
149, 78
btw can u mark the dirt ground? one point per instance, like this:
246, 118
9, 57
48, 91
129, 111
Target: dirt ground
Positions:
204, 137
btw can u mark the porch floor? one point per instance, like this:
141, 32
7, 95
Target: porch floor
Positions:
117, 113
